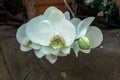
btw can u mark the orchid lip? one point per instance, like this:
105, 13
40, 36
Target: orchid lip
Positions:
57, 42
29, 43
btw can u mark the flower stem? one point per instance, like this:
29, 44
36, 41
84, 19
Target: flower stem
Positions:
67, 5
76, 39
31, 68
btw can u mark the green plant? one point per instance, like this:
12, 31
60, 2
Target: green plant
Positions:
2, 1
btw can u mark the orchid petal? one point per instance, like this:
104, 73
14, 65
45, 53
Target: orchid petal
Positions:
83, 26
95, 36
67, 30
46, 50
35, 46
51, 58
56, 52
66, 50
35, 21
76, 48
67, 15
41, 32
25, 44
75, 22
25, 48
21, 33
48, 11
56, 16
26, 41
49, 50
38, 53
85, 51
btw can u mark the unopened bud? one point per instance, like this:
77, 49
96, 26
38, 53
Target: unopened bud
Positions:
84, 43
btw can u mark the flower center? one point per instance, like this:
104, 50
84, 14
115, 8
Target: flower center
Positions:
57, 42
29, 43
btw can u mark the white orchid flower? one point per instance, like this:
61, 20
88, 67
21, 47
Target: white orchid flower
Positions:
84, 30
53, 32
93, 33
25, 43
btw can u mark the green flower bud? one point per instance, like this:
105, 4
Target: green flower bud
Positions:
84, 43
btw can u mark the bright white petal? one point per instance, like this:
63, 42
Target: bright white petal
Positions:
83, 26
38, 53
48, 11
76, 48
49, 50
95, 36
46, 50
26, 44
21, 33
67, 15
41, 32
51, 58
75, 22
66, 50
35, 21
85, 51
26, 41
35, 46
67, 30
56, 52
56, 16
25, 48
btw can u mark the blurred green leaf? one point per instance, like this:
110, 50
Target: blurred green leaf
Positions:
2, 1
102, 8
18, 3
96, 4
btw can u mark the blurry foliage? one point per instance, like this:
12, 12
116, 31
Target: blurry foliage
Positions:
110, 11
2, 1
96, 4
12, 7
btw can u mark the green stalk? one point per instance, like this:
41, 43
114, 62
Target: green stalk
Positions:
31, 68
69, 8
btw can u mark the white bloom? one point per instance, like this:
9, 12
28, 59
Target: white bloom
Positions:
25, 43
53, 32
93, 33
83, 28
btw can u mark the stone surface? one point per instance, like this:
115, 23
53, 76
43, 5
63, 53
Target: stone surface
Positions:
101, 64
